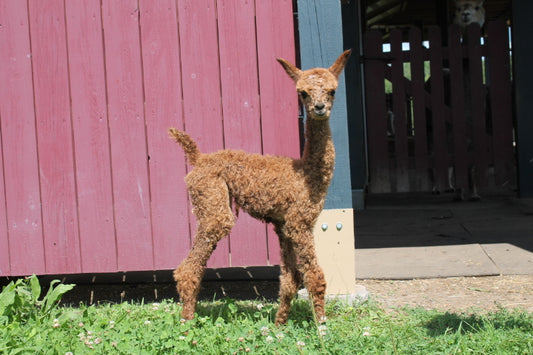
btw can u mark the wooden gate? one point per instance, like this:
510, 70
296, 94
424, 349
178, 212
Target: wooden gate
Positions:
435, 114
89, 180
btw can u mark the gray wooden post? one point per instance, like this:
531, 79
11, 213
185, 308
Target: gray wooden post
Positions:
320, 28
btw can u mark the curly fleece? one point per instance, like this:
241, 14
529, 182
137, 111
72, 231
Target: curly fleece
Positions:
289, 193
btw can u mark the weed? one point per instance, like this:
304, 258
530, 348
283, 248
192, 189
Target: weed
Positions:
30, 325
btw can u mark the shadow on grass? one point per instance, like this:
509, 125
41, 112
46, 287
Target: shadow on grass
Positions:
447, 323
230, 310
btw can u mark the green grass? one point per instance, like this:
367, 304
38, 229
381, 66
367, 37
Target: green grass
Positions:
30, 324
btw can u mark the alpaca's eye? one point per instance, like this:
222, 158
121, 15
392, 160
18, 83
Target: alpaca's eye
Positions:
332, 93
304, 94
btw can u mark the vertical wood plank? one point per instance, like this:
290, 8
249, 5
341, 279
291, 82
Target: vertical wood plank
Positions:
127, 134
378, 157
475, 72
241, 110
279, 103
163, 109
399, 109
440, 159
457, 98
201, 87
4, 241
238, 73
419, 109
54, 134
500, 98
19, 147
91, 141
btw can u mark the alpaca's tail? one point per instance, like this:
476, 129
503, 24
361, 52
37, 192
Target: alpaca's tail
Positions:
189, 146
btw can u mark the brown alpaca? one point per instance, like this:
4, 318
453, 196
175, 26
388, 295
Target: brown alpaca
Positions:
289, 193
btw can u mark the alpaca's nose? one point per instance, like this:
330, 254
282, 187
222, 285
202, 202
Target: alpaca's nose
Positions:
319, 106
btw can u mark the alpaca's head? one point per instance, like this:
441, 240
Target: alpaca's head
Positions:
468, 12
316, 87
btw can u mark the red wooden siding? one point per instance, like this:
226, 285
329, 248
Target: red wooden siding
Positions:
54, 136
463, 120
23, 239
242, 120
163, 108
91, 183
273, 88
91, 136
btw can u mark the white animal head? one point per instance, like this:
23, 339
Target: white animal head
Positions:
468, 12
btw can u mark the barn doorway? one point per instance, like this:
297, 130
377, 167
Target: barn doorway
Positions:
437, 98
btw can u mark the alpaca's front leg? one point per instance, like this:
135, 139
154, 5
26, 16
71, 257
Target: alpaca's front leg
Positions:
316, 286
290, 279
314, 279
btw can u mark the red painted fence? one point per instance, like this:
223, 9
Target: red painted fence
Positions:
460, 118
90, 181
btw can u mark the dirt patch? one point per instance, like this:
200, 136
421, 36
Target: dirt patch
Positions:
456, 294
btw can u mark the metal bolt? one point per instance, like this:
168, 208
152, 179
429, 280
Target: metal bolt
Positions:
324, 227
339, 226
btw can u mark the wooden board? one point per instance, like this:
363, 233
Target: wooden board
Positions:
241, 114
54, 136
475, 73
129, 156
202, 102
320, 31
419, 109
91, 136
164, 109
501, 102
440, 158
279, 102
4, 240
399, 109
23, 239
460, 155
378, 156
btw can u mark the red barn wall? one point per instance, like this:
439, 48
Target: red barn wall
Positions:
89, 180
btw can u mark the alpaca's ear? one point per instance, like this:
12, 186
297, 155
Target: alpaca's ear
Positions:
293, 72
337, 67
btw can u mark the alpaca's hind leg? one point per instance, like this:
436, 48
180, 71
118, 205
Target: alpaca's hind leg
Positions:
290, 278
215, 221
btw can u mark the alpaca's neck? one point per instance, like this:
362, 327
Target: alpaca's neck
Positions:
318, 156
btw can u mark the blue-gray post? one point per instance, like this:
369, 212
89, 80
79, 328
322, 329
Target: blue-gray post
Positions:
523, 78
320, 28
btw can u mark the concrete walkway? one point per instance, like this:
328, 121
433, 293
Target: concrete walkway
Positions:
424, 236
